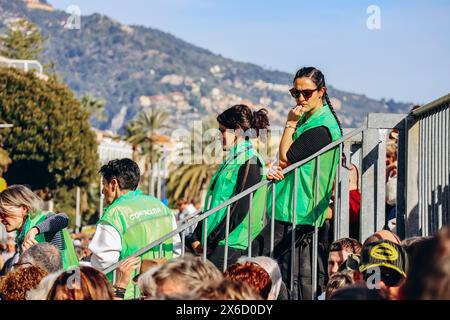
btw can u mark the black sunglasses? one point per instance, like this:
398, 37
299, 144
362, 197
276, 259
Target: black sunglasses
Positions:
307, 93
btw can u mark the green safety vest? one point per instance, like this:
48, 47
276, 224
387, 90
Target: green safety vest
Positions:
223, 187
69, 257
139, 219
306, 177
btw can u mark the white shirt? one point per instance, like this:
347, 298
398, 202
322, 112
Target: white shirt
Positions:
189, 212
106, 245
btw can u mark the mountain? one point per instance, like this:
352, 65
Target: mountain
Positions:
136, 67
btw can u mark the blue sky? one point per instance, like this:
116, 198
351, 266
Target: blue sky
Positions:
408, 59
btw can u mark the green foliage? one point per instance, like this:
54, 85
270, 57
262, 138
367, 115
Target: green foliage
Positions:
189, 179
51, 143
141, 131
94, 106
23, 40
121, 64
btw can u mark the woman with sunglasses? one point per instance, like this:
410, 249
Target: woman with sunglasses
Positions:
21, 211
311, 125
243, 167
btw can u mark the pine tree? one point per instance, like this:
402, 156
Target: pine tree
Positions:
23, 40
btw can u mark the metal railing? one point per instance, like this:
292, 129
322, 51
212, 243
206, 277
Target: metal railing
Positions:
250, 192
427, 168
422, 187
25, 65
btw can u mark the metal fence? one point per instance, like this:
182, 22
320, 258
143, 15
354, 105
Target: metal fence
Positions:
366, 148
342, 144
25, 65
426, 157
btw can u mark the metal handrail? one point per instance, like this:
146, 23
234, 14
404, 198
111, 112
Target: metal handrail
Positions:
237, 197
431, 106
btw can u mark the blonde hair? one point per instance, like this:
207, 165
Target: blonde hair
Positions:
227, 289
188, 271
18, 195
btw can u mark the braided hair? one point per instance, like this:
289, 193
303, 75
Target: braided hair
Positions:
319, 79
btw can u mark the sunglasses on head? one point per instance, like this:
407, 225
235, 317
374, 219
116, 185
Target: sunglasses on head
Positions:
307, 93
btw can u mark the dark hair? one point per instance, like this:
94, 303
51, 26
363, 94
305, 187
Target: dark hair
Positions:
429, 277
88, 284
356, 292
241, 116
126, 171
319, 79
337, 281
348, 244
410, 244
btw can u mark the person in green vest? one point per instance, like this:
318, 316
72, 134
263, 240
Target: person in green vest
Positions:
131, 221
21, 211
311, 125
242, 168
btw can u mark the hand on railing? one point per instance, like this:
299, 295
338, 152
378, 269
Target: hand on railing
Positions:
274, 173
124, 271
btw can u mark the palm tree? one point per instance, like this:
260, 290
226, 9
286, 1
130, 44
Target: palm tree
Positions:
94, 106
141, 133
188, 180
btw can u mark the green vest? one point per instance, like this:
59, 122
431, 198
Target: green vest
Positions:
69, 257
139, 219
306, 177
223, 187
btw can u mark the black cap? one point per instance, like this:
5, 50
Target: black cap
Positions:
386, 254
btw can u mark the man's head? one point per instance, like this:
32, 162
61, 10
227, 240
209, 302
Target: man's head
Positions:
119, 177
177, 277
43, 255
182, 204
382, 235
339, 251
384, 265
429, 276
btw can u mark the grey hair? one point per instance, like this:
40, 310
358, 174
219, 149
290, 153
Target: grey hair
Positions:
272, 268
42, 290
43, 255
189, 271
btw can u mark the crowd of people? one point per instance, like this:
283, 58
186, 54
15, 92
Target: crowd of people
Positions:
382, 268
45, 262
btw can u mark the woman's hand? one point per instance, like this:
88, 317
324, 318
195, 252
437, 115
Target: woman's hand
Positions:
294, 115
197, 247
126, 268
29, 239
275, 172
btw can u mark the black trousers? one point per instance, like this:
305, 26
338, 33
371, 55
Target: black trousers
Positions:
302, 283
218, 254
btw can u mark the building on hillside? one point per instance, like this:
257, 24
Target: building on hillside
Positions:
36, 4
